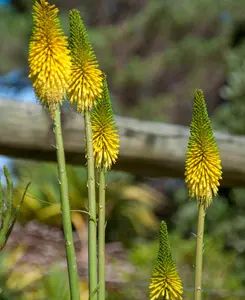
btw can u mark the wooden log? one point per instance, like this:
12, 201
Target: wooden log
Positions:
146, 148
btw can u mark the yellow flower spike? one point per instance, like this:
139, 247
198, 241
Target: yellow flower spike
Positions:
49, 60
165, 281
85, 85
105, 133
203, 164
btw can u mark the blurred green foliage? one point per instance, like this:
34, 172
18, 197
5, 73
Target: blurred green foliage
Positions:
8, 213
129, 207
218, 276
230, 116
224, 222
36, 284
132, 220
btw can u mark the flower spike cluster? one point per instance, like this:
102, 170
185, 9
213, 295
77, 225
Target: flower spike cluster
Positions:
49, 59
203, 164
105, 133
165, 281
85, 85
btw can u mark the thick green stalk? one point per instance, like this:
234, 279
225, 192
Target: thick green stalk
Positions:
199, 253
101, 234
65, 207
92, 238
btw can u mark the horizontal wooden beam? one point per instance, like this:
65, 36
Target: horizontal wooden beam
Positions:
147, 148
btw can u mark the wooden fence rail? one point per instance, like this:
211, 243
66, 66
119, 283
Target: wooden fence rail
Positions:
147, 148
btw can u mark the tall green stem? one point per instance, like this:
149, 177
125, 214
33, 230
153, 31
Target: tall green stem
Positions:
65, 207
92, 251
101, 234
199, 253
